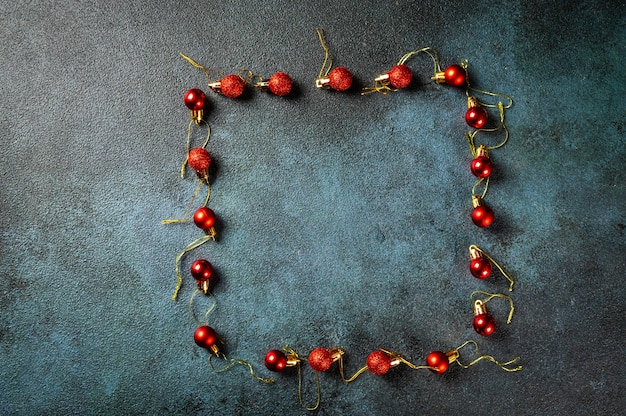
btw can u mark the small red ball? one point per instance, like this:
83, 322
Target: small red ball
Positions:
378, 363
484, 324
199, 159
205, 336
455, 75
476, 117
204, 218
482, 216
320, 359
400, 76
201, 270
280, 84
232, 86
194, 99
439, 361
340, 79
480, 267
275, 360
481, 167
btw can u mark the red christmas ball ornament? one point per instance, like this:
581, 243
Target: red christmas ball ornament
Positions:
205, 337
439, 361
378, 363
482, 216
481, 166
199, 159
340, 79
455, 75
204, 218
400, 76
275, 360
476, 116
480, 267
201, 270
280, 84
320, 359
232, 86
194, 99
484, 324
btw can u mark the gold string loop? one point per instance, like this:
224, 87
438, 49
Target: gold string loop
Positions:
231, 362
488, 358
496, 295
328, 59
491, 259
208, 311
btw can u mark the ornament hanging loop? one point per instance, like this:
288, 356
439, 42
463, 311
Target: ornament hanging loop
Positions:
479, 305
474, 248
231, 362
504, 365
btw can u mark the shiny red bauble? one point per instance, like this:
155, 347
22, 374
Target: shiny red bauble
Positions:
481, 166
340, 79
204, 218
205, 336
199, 159
476, 117
320, 359
480, 267
280, 84
275, 360
455, 75
194, 99
400, 76
439, 361
232, 86
484, 324
482, 216
201, 270
378, 363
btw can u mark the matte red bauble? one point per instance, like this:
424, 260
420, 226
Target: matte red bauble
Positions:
481, 166
320, 359
455, 75
232, 86
280, 84
484, 324
476, 117
201, 270
199, 159
194, 99
340, 79
205, 336
275, 360
439, 361
482, 216
400, 76
204, 218
378, 363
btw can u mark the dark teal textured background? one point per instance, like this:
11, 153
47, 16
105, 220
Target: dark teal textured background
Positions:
344, 219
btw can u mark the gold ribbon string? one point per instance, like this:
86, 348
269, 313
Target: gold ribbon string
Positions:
496, 295
203, 68
471, 136
488, 358
328, 59
481, 180
502, 270
236, 361
429, 51
209, 310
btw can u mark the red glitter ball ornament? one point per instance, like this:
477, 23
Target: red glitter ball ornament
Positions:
400, 76
340, 79
455, 75
205, 336
275, 360
482, 216
480, 267
201, 270
280, 84
199, 159
484, 324
232, 86
481, 166
439, 361
476, 117
378, 363
204, 218
320, 359
194, 99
